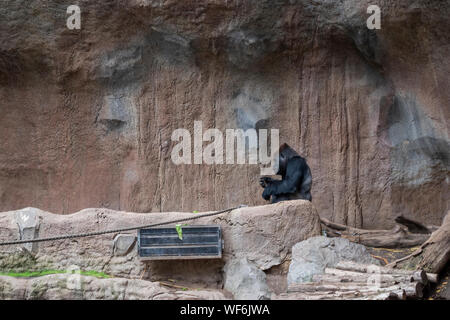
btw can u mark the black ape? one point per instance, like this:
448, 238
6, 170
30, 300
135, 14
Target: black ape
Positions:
295, 180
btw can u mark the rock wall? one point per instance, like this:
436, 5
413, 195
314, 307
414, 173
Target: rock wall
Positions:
87, 115
80, 287
263, 235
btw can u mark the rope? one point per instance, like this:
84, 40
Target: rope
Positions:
97, 233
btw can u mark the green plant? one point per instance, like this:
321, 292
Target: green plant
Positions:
28, 274
179, 229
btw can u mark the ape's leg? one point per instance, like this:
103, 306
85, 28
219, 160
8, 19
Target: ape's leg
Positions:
279, 198
306, 196
305, 188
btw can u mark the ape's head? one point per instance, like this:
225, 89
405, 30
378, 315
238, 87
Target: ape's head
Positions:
285, 153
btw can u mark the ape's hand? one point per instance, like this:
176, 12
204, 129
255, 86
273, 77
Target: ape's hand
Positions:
265, 181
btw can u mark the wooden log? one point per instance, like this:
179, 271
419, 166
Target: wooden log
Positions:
315, 287
417, 275
370, 268
346, 272
331, 287
397, 295
412, 225
352, 276
398, 237
321, 296
383, 280
357, 291
398, 291
414, 290
343, 295
432, 277
420, 276
393, 295
433, 255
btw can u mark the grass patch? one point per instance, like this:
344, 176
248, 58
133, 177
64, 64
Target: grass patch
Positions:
29, 274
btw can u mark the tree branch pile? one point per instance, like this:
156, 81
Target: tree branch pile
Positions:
350, 280
433, 255
406, 233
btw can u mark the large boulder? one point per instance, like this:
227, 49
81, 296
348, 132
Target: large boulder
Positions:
245, 281
263, 234
28, 223
312, 256
123, 243
266, 234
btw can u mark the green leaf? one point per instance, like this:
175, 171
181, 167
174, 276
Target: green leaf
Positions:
179, 231
195, 211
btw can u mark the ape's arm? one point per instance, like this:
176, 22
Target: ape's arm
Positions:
289, 183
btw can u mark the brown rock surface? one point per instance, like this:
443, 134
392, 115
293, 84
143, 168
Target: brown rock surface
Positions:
87, 115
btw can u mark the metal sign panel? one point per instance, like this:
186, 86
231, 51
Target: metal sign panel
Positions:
163, 243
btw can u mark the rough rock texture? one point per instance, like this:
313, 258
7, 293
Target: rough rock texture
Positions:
80, 287
28, 222
123, 243
264, 234
312, 256
245, 281
87, 115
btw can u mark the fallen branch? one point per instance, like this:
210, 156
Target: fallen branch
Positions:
351, 276
418, 275
433, 255
414, 226
174, 286
350, 280
343, 295
348, 290
398, 237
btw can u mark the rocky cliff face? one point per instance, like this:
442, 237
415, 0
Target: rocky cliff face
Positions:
87, 115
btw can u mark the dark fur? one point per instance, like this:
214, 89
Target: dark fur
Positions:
296, 179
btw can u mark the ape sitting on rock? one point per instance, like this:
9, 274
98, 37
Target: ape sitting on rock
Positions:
295, 180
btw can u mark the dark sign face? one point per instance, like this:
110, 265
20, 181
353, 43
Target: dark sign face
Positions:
182, 242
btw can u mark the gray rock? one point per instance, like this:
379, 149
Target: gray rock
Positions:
313, 255
245, 281
265, 234
120, 63
114, 112
123, 243
81, 287
28, 221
